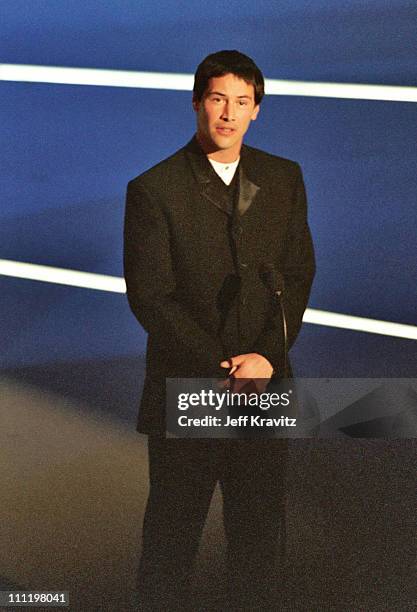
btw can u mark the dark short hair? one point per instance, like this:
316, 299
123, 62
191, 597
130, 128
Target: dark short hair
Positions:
225, 62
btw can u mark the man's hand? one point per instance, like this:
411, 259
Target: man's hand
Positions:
250, 366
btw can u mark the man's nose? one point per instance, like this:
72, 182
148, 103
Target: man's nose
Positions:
228, 113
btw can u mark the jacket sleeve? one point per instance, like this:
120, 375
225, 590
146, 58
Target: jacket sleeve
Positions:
150, 282
298, 273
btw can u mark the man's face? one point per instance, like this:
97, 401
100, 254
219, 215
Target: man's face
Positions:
223, 116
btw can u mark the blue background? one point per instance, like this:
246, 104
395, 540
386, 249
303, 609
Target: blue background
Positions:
68, 152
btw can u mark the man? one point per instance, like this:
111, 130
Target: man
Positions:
200, 229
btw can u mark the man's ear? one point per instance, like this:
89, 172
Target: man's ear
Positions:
255, 112
196, 104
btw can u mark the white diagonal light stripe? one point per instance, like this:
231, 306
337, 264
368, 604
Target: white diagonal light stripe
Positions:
363, 324
114, 284
184, 82
62, 276
95, 76
353, 91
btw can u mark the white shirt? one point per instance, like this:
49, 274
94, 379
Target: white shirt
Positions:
225, 171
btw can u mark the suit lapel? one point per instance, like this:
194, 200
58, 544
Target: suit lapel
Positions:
247, 190
216, 197
203, 172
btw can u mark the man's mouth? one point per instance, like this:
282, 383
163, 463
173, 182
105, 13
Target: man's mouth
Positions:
225, 131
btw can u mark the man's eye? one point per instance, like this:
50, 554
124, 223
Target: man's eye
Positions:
243, 103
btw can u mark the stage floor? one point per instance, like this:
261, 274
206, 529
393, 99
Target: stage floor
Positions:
74, 488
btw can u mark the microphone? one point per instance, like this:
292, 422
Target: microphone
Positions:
274, 280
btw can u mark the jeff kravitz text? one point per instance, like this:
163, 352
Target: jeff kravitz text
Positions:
244, 420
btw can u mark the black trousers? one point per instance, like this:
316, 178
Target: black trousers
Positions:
183, 474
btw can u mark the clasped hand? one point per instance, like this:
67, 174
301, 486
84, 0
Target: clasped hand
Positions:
248, 372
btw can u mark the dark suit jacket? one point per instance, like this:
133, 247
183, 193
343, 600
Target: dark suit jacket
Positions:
193, 266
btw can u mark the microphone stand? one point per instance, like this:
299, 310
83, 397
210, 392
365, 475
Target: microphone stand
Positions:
278, 295
278, 298
275, 281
